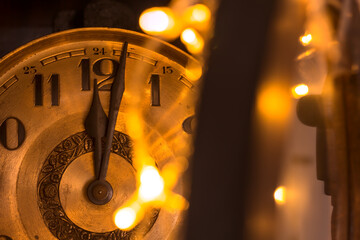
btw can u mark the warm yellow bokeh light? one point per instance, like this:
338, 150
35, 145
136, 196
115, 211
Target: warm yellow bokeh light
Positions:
280, 195
193, 71
198, 16
151, 184
155, 21
171, 171
300, 90
274, 102
200, 13
176, 202
189, 35
305, 54
125, 218
192, 40
306, 39
160, 21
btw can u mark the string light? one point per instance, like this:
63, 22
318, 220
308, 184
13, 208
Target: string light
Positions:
306, 39
280, 195
300, 90
166, 23
198, 16
155, 188
188, 36
274, 102
125, 218
192, 40
154, 21
152, 184
160, 21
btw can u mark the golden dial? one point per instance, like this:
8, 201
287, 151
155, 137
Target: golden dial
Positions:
46, 156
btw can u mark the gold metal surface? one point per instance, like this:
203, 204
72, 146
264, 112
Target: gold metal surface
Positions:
46, 126
95, 218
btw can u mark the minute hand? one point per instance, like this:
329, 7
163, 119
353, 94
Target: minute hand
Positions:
116, 95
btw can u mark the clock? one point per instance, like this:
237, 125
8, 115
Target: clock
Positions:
56, 108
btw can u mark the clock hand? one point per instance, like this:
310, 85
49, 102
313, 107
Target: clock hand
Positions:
95, 126
117, 91
100, 191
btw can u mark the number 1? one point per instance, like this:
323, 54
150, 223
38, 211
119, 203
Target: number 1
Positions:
155, 89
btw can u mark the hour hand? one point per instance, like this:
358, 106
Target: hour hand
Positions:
95, 126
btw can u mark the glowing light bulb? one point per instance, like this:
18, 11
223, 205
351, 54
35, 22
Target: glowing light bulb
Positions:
193, 71
300, 90
151, 184
154, 20
176, 202
274, 102
280, 195
200, 13
192, 40
125, 218
306, 39
160, 21
189, 36
198, 16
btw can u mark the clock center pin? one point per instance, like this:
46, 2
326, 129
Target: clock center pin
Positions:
100, 192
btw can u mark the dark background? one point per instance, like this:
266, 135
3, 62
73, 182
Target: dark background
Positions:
22, 21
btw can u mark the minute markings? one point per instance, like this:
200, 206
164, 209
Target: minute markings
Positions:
85, 70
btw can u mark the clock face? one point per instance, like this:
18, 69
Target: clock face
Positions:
46, 154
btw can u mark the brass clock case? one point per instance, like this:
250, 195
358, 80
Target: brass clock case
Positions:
45, 154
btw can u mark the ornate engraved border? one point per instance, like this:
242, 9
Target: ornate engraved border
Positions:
48, 185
